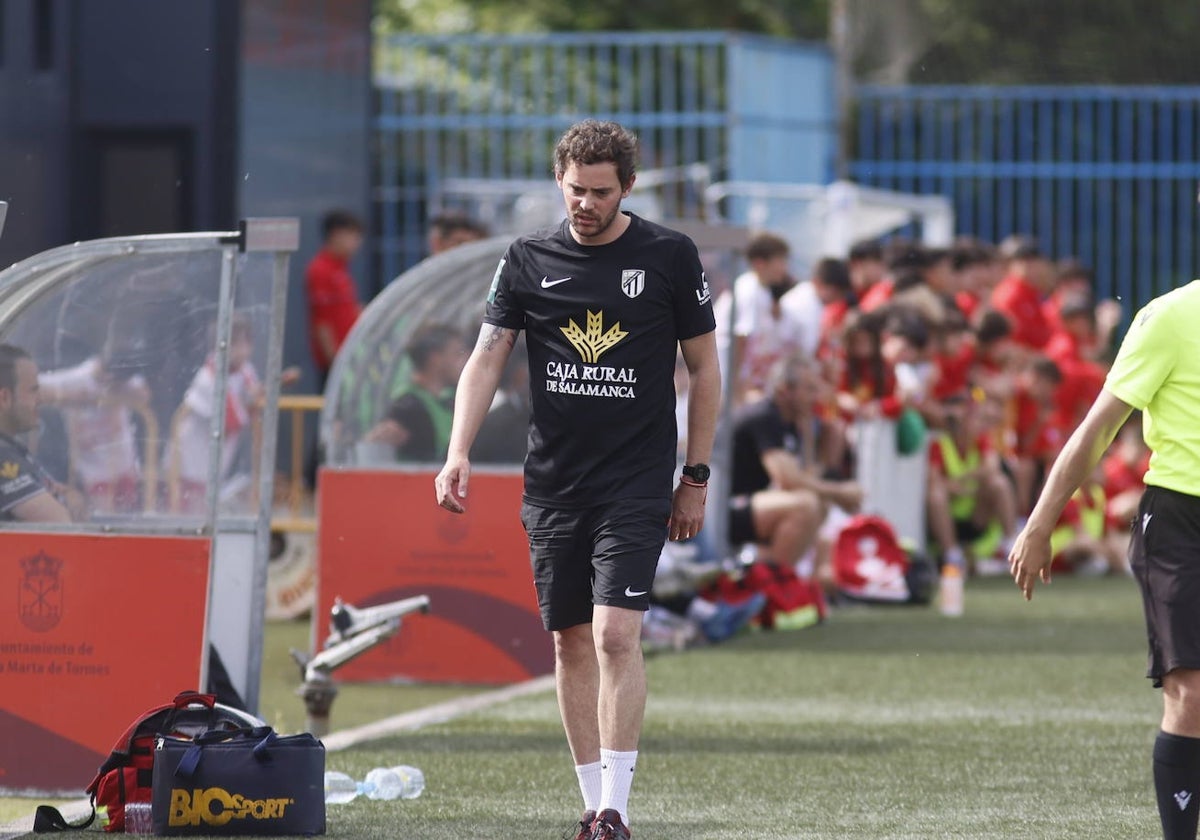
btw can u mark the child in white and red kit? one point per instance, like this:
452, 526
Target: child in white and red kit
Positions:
191, 445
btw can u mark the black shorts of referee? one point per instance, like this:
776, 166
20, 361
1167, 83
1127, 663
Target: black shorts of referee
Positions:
1164, 556
605, 555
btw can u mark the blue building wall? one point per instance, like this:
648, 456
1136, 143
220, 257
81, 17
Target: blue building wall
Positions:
304, 133
35, 141
139, 116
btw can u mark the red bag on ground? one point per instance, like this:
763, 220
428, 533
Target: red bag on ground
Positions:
869, 563
128, 772
792, 602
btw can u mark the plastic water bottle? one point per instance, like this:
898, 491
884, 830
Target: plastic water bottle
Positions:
383, 783
950, 595
339, 788
412, 779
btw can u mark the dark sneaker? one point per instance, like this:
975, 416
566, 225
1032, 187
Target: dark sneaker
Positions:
610, 827
584, 829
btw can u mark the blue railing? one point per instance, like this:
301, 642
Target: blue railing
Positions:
1106, 174
474, 107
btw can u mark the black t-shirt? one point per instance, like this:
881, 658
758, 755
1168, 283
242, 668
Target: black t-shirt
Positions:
758, 428
426, 417
21, 477
504, 436
602, 325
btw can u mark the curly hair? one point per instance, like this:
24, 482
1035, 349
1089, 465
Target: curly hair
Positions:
596, 141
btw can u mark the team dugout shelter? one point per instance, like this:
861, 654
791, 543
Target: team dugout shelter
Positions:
158, 363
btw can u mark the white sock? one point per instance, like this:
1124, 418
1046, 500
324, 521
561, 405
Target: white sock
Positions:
617, 772
589, 784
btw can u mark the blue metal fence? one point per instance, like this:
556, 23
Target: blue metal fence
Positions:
491, 107
1106, 174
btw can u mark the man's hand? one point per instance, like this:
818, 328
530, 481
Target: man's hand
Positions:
1030, 561
1108, 317
451, 485
687, 512
289, 376
848, 495
74, 501
388, 431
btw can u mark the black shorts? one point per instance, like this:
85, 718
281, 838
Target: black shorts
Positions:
1164, 555
741, 521
604, 555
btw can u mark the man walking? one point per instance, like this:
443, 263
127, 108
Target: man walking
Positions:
1157, 370
606, 299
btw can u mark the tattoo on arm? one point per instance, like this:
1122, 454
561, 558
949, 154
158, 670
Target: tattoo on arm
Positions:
493, 335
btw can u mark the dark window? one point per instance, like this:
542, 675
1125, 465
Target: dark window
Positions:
134, 182
43, 34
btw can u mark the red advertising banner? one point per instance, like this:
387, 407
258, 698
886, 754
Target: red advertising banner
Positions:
382, 537
99, 629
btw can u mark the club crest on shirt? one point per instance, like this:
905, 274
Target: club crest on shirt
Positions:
633, 281
10, 470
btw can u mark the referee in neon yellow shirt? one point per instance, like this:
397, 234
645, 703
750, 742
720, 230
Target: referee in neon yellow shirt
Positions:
1157, 371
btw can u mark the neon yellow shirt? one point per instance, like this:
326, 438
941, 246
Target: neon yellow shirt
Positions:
1158, 371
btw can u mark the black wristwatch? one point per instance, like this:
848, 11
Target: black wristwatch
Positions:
697, 472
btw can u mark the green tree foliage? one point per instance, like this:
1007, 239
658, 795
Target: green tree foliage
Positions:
1060, 42
917, 41
805, 19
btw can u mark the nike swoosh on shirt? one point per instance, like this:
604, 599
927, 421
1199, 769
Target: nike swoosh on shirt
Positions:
629, 593
547, 282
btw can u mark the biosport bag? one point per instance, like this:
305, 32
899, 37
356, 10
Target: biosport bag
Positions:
245, 781
127, 774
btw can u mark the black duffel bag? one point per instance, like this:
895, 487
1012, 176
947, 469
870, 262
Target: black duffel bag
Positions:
243, 781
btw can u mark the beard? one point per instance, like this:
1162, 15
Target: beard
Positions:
589, 226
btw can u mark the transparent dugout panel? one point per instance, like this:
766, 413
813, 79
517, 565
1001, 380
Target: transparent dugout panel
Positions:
374, 368
124, 338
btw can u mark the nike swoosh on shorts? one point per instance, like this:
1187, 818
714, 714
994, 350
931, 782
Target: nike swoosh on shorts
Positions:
629, 593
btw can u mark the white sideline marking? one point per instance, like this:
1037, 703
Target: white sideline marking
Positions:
346, 738
439, 713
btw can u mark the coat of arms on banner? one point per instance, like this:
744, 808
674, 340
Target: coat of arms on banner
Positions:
633, 280
40, 592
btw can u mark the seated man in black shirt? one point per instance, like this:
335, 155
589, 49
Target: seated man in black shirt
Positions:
27, 492
418, 421
504, 436
785, 460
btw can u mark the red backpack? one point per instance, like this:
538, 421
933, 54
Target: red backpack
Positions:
127, 773
869, 564
792, 603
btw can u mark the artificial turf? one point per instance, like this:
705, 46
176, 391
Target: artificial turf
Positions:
1015, 721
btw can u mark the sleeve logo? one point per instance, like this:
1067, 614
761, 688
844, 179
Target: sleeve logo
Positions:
491, 296
704, 293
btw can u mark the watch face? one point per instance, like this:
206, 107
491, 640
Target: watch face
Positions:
700, 472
